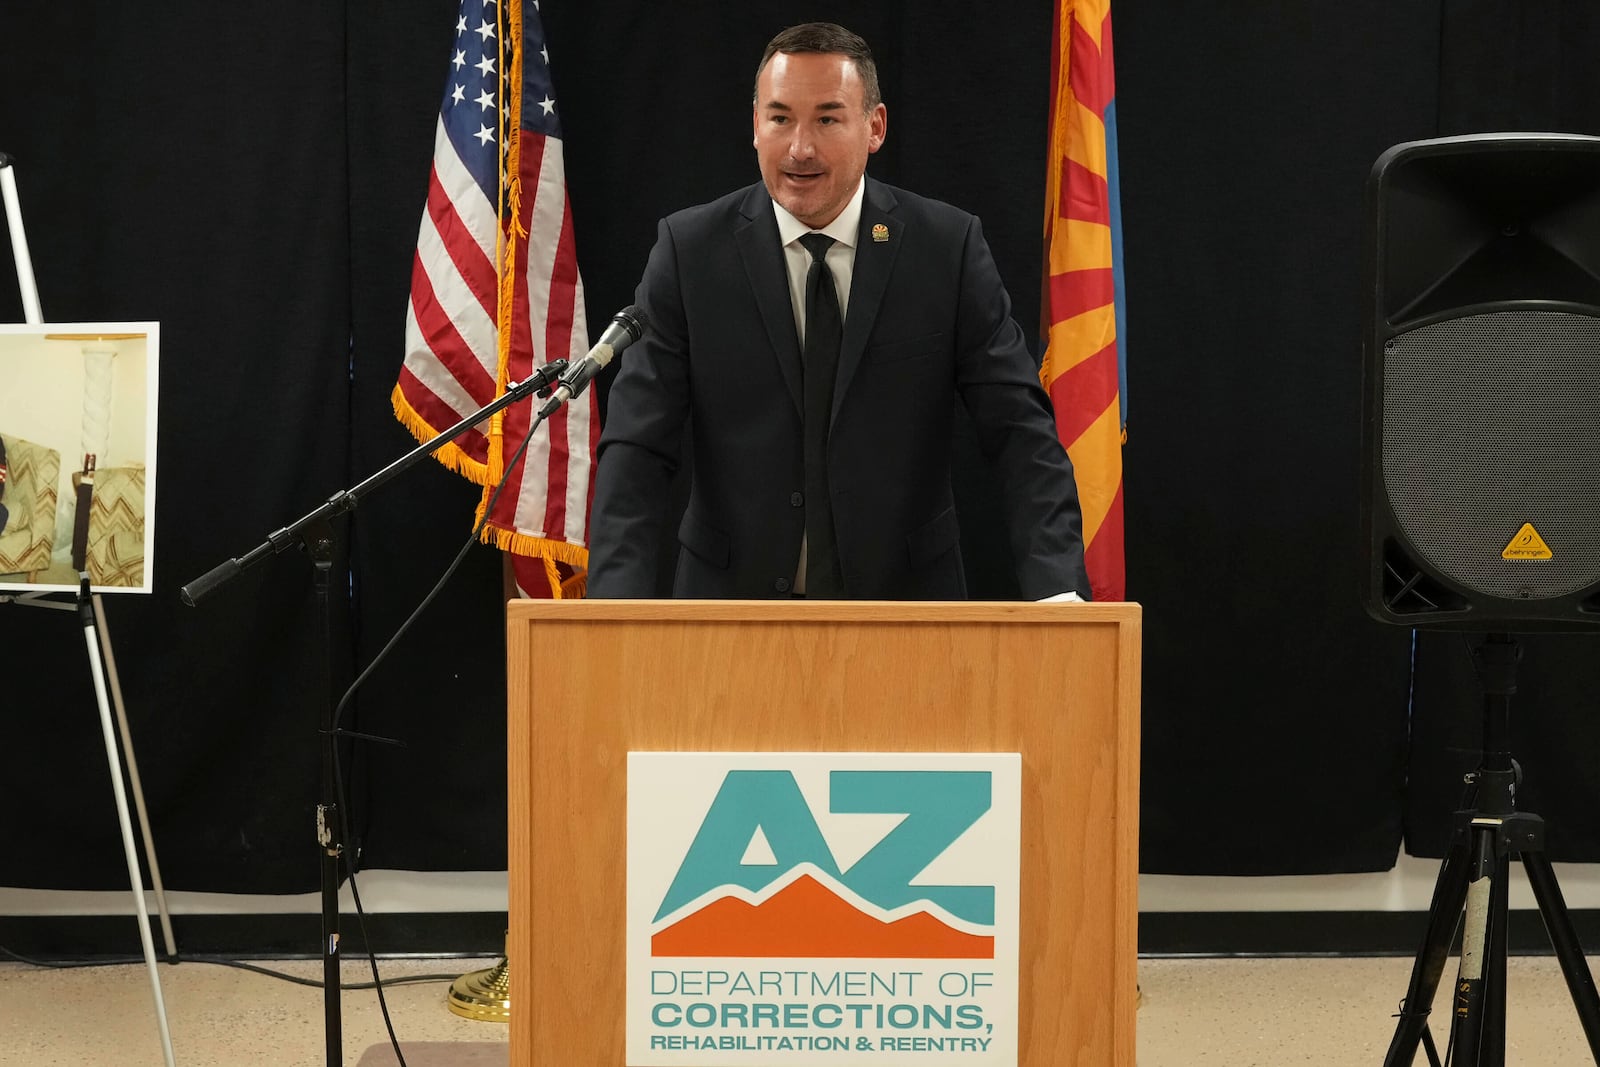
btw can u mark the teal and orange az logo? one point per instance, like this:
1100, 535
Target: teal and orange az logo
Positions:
801, 905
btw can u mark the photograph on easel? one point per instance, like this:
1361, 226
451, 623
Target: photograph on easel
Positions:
78, 455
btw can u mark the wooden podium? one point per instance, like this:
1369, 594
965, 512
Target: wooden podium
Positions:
590, 681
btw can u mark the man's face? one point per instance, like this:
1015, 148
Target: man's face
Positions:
813, 133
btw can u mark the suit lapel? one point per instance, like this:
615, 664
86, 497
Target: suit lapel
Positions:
757, 235
874, 263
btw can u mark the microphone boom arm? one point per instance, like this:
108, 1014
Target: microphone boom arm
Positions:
540, 381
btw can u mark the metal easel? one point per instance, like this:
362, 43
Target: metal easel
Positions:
102, 666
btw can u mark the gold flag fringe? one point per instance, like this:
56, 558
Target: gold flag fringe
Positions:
523, 544
552, 553
450, 454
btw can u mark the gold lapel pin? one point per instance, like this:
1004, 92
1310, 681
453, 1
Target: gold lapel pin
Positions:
880, 233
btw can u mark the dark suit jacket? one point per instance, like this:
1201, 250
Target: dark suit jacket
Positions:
928, 320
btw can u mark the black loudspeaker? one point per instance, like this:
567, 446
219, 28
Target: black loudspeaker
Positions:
1481, 427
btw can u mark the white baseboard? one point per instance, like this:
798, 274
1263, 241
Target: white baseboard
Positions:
381, 891
1407, 887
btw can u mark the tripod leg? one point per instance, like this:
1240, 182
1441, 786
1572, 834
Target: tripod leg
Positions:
1444, 915
1433, 1052
1466, 1033
1493, 1044
1553, 909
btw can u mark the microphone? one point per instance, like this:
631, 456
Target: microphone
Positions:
626, 327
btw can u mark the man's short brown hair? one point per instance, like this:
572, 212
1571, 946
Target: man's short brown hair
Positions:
827, 38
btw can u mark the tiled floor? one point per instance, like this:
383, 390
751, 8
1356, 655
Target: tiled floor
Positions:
223, 1017
1331, 1012
1231, 1013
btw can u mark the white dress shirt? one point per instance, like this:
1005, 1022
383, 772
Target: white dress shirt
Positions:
841, 260
841, 257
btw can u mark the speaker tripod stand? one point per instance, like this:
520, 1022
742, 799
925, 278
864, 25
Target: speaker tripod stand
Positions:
1474, 877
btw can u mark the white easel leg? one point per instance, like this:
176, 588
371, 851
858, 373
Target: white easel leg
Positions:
133, 776
128, 847
19, 244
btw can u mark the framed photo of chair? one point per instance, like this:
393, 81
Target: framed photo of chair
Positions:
78, 406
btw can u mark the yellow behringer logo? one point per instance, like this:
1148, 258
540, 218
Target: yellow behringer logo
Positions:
1527, 544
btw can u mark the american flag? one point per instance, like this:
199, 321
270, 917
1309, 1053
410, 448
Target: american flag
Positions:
495, 292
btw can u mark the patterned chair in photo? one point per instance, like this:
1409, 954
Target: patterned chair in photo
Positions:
116, 527
29, 535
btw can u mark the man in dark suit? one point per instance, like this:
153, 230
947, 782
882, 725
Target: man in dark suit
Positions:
815, 329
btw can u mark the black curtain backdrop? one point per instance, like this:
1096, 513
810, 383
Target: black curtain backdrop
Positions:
193, 170
254, 181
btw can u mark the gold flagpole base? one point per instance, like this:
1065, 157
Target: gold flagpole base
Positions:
483, 996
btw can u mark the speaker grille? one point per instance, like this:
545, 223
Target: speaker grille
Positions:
1491, 422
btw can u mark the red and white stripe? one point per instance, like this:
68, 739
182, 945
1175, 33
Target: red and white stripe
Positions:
451, 356
550, 491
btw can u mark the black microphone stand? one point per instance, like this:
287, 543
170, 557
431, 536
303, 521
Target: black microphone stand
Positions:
314, 533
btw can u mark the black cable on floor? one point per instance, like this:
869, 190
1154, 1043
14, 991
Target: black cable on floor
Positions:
315, 983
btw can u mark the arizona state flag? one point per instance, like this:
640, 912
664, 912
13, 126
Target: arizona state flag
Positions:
1084, 366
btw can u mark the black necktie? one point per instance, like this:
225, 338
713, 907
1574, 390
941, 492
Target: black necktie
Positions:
824, 328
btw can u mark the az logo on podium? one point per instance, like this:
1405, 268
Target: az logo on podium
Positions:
759, 878
792, 907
